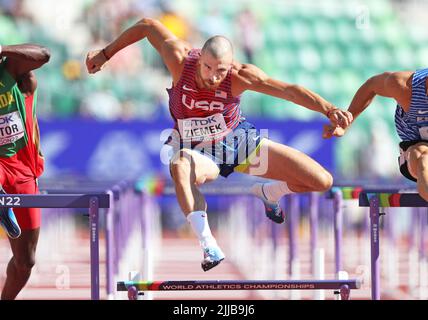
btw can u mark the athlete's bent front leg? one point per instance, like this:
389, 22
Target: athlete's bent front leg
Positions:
285, 164
293, 171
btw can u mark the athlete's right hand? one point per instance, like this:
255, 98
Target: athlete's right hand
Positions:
331, 131
95, 61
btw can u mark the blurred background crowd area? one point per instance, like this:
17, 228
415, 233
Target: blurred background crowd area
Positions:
328, 46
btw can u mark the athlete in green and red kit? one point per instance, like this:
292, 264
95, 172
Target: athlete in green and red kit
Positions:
21, 162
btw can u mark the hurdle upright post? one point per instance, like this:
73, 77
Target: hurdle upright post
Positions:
293, 226
94, 248
375, 199
338, 223
313, 222
375, 248
110, 245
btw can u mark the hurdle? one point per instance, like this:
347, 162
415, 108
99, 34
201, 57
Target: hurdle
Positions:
343, 286
91, 201
383, 199
293, 222
339, 194
343, 192
131, 221
236, 188
116, 190
134, 287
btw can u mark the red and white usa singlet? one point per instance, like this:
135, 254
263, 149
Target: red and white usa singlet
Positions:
202, 114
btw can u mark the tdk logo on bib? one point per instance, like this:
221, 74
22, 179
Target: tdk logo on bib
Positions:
6, 119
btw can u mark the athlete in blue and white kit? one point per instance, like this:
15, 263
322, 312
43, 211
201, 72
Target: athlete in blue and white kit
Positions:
409, 89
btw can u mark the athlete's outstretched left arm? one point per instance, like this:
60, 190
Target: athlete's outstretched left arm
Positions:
23, 58
250, 77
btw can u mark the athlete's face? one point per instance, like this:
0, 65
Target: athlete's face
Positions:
213, 71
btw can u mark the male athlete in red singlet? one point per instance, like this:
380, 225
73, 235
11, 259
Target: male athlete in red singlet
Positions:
21, 162
212, 137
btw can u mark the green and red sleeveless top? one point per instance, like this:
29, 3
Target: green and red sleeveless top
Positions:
19, 131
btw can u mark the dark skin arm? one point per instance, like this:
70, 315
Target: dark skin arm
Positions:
21, 60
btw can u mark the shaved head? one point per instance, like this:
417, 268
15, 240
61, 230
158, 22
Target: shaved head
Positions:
218, 46
215, 62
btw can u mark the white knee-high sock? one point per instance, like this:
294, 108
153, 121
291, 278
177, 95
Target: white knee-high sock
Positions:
199, 222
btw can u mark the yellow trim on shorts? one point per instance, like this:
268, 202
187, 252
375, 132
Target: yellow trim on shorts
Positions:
246, 163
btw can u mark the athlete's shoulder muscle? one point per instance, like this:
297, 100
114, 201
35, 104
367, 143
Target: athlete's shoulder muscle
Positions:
401, 80
175, 50
245, 76
174, 53
399, 86
395, 85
